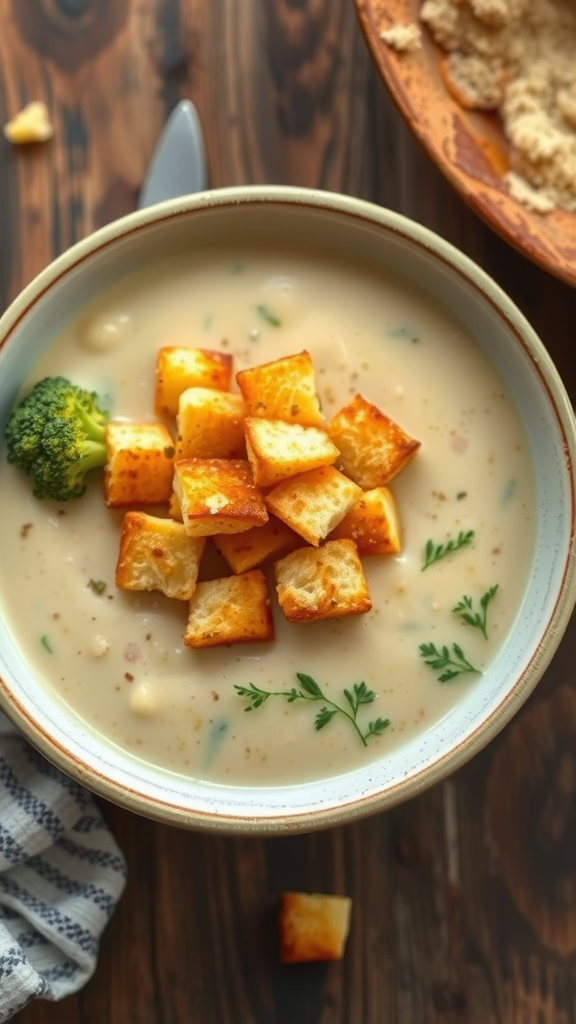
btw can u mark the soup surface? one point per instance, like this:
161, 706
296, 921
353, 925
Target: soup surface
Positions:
117, 658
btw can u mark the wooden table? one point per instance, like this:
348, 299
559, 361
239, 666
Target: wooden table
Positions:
464, 912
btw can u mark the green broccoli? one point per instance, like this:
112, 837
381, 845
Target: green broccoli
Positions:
57, 434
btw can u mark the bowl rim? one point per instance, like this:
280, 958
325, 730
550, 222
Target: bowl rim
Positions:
463, 267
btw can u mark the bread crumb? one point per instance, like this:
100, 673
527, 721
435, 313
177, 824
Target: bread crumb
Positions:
523, 192
517, 57
403, 38
31, 124
99, 646
313, 926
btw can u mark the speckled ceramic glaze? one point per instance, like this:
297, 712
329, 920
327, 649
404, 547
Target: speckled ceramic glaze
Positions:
467, 145
388, 240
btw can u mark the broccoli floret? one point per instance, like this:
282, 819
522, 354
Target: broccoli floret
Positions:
57, 434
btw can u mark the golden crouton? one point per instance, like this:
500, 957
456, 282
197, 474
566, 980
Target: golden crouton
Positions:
313, 503
246, 550
373, 448
372, 524
158, 554
277, 449
139, 466
322, 583
313, 926
174, 510
233, 610
282, 390
210, 425
217, 496
180, 368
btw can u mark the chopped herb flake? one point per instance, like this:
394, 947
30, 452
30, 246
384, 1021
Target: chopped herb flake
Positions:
45, 641
97, 586
403, 333
268, 316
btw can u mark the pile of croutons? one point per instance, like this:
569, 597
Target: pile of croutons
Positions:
262, 475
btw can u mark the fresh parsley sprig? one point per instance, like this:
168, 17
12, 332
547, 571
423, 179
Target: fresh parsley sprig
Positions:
309, 690
450, 661
434, 552
470, 617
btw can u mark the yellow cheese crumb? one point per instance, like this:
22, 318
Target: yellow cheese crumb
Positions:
31, 124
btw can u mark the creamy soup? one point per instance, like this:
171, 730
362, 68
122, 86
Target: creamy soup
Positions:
118, 660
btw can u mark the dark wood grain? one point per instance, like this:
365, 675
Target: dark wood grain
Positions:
449, 927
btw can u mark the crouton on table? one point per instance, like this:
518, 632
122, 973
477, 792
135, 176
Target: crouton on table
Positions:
179, 368
232, 610
158, 554
246, 550
139, 466
373, 448
277, 449
322, 583
313, 503
313, 926
217, 496
372, 524
284, 390
210, 425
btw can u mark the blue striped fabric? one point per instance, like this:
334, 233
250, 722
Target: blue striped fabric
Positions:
61, 876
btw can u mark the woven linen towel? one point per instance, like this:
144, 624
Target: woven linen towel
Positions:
61, 875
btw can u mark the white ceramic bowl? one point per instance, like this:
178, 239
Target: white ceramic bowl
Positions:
390, 241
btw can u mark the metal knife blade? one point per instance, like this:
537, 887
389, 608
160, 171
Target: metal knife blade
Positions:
178, 165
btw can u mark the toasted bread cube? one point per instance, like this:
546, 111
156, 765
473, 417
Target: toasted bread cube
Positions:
158, 554
313, 926
140, 464
322, 583
174, 510
232, 610
313, 503
244, 551
180, 368
282, 390
277, 449
210, 425
373, 448
217, 496
372, 524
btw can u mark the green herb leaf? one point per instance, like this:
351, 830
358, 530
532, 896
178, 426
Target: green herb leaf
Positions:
311, 691
363, 694
45, 641
450, 662
254, 695
309, 685
376, 728
268, 316
470, 617
324, 716
434, 552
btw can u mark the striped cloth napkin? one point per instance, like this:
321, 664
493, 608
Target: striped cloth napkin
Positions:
61, 876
